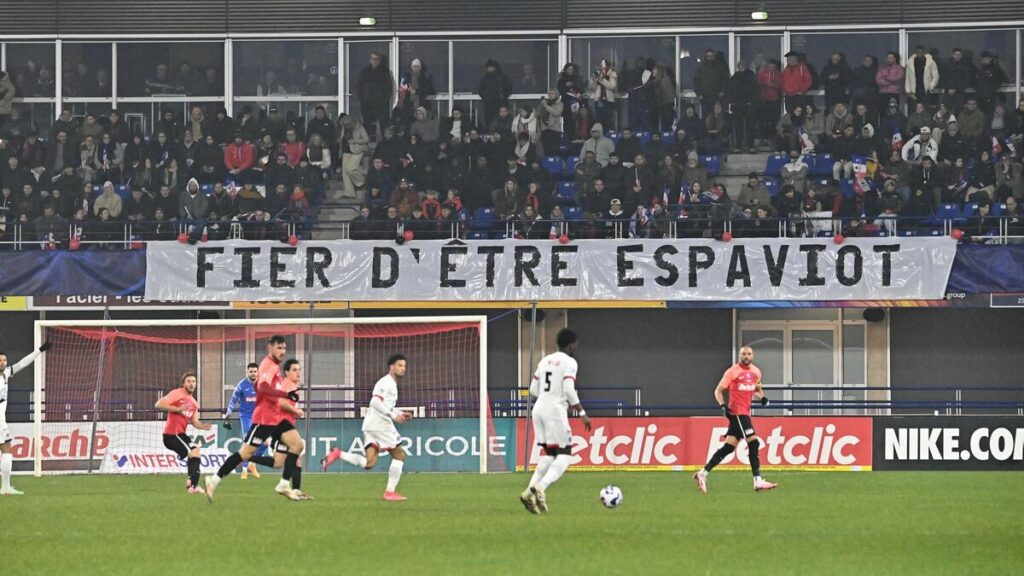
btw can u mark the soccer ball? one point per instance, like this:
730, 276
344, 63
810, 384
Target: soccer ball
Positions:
611, 496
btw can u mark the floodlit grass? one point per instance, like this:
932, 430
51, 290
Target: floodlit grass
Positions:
814, 523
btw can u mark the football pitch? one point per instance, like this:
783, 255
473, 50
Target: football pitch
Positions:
814, 523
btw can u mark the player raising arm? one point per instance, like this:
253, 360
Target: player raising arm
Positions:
743, 382
243, 399
6, 459
379, 432
554, 386
182, 410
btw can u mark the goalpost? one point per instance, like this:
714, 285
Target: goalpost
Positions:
95, 388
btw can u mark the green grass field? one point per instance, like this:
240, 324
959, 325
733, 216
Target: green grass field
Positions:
815, 523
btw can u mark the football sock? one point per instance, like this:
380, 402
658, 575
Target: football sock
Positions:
755, 459
297, 478
717, 457
354, 459
267, 461
6, 464
394, 474
542, 468
193, 471
230, 464
558, 467
289, 466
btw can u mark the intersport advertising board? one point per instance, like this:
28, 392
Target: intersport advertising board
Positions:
790, 443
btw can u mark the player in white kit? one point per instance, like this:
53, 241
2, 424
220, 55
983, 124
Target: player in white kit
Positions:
6, 459
554, 386
379, 432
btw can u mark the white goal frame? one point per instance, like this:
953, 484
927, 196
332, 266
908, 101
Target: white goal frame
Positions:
38, 393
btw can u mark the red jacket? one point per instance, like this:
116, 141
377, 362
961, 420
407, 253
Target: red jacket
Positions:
294, 150
770, 83
890, 79
431, 208
239, 158
796, 79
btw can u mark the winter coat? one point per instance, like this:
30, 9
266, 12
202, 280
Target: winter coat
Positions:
796, 79
862, 84
551, 114
839, 87
495, 88
711, 78
743, 89
603, 87
7, 93
931, 74
770, 84
990, 79
972, 124
959, 76
889, 79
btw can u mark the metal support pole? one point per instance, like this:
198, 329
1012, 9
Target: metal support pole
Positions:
307, 393
529, 400
99, 384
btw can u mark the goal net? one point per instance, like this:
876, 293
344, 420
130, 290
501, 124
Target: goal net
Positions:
97, 386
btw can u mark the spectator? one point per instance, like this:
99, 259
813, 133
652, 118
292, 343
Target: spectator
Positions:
897, 171
7, 93
952, 145
586, 171
922, 77
414, 89
239, 157
716, 131
628, 147
843, 151
456, 127
920, 146
530, 226
836, 78
221, 127
794, 172
495, 89
603, 86
1009, 179
919, 118
959, 77
890, 80
691, 122
1014, 220
814, 128
404, 197
193, 204
753, 194
769, 81
664, 100
670, 176
982, 179
863, 89
224, 201
550, 118
617, 221
425, 127
639, 87
279, 173
601, 147
694, 172
138, 207
526, 122
982, 224
292, 147
166, 200
61, 154
710, 80
742, 96
614, 176
836, 123
363, 227
789, 130
506, 199
972, 124
108, 200
501, 123
796, 81
375, 89
50, 227
927, 178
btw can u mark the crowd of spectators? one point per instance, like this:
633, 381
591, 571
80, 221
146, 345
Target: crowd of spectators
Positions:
259, 174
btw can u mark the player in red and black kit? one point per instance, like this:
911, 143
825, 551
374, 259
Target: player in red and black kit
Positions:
182, 410
743, 381
267, 422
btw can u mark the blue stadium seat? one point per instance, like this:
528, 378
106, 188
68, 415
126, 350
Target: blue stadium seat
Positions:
773, 185
565, 193
970, 210
846, 187
553, 164
949, 212
614, 137
477, 235
483, 219
574, 213
775, 164
905, 233
668, 137
998, 208
206, 189
819, 164
645, 138
97, 189
570, 165
712, 163
124, 191
500, 235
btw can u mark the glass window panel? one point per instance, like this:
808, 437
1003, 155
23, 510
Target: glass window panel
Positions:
691, 50
86, 70
31, 67
768, 353
757, 50
853, 354
36, 117
819, 47
297, 67
170, 69
1001, 43
531, 65
813, 357
622, 52
146, 117
434, 56
293, 113
357, 57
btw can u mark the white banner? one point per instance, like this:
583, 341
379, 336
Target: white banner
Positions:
438, 270
120, 448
